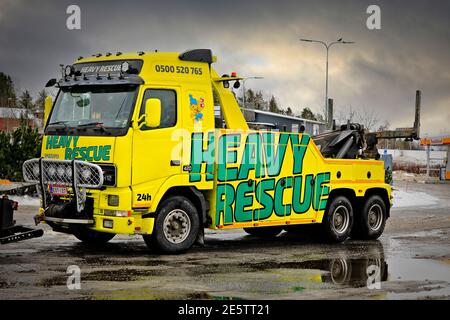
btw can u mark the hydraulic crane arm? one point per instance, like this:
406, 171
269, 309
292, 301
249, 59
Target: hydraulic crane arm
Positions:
234, 119
351, 140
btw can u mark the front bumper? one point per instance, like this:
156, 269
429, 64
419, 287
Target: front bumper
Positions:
87, 202
135, 223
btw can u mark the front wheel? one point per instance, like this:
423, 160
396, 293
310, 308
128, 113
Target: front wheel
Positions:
176, 227
338, 220
91, 237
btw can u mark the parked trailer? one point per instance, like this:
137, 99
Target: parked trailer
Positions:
9, 231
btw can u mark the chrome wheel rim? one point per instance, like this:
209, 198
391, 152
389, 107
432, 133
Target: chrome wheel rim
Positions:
375, 217
177, 226
340, 219
339, 271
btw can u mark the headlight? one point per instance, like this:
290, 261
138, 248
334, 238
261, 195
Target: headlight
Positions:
113, 200
86, 174
125, 67
69, 172
51, 171
60, 171
36, 170
68, 71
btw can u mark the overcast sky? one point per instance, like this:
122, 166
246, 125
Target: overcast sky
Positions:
379, 73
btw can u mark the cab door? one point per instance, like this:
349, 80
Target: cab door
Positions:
153, 160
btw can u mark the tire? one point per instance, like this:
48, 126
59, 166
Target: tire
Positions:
338, 220
372, 265
91, 237
340, 271
370, 222
176, 227
264, 232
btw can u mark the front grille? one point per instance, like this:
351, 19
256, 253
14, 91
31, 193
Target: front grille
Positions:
80, 175
63, 172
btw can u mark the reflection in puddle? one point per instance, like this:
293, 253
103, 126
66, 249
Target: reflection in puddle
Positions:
354, 272
248, 269
235, 279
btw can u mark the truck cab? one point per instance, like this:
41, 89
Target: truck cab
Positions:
130, 147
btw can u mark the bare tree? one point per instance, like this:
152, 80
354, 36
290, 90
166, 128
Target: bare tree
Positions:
368, 118
343, 116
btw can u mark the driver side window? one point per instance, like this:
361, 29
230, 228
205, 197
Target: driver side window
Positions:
168, 100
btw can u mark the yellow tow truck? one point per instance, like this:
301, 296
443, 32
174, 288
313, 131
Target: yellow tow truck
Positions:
131, 147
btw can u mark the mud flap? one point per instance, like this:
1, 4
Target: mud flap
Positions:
200, 237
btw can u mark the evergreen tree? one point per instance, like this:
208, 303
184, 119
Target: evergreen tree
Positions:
16, 147
273, 105
319, 117
259, 101
7, 92
26, 103
308, 114
249, 97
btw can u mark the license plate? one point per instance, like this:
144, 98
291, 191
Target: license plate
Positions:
58, 190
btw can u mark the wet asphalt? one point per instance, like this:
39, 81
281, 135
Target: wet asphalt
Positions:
410, 261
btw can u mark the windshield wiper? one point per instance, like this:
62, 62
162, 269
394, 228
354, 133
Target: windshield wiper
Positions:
95, 126
56, 127
63, 122
90, 124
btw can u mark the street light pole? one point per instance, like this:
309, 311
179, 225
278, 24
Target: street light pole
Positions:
327, 47
243, 88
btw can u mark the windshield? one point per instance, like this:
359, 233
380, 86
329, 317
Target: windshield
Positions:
97, 106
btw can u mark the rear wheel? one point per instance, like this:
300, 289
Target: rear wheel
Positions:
338, 220
91, 237
264, 231
176, 226
370, 222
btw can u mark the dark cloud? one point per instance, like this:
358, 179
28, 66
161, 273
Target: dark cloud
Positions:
380, 72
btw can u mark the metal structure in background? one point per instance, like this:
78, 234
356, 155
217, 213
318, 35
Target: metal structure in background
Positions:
330, 114
267, 120
409, 134
351, 140
444, 141
76, 174
327, 46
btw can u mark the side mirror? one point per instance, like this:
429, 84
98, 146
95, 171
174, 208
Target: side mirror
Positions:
50, 83
47, 108
152, 113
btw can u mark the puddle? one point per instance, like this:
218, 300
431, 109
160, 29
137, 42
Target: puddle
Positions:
403, 269
427, 292
306, 270
421, 234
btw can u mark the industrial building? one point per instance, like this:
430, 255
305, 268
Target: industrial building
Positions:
260, 119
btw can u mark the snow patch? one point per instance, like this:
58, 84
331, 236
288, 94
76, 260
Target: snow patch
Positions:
412, 199
25, 200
